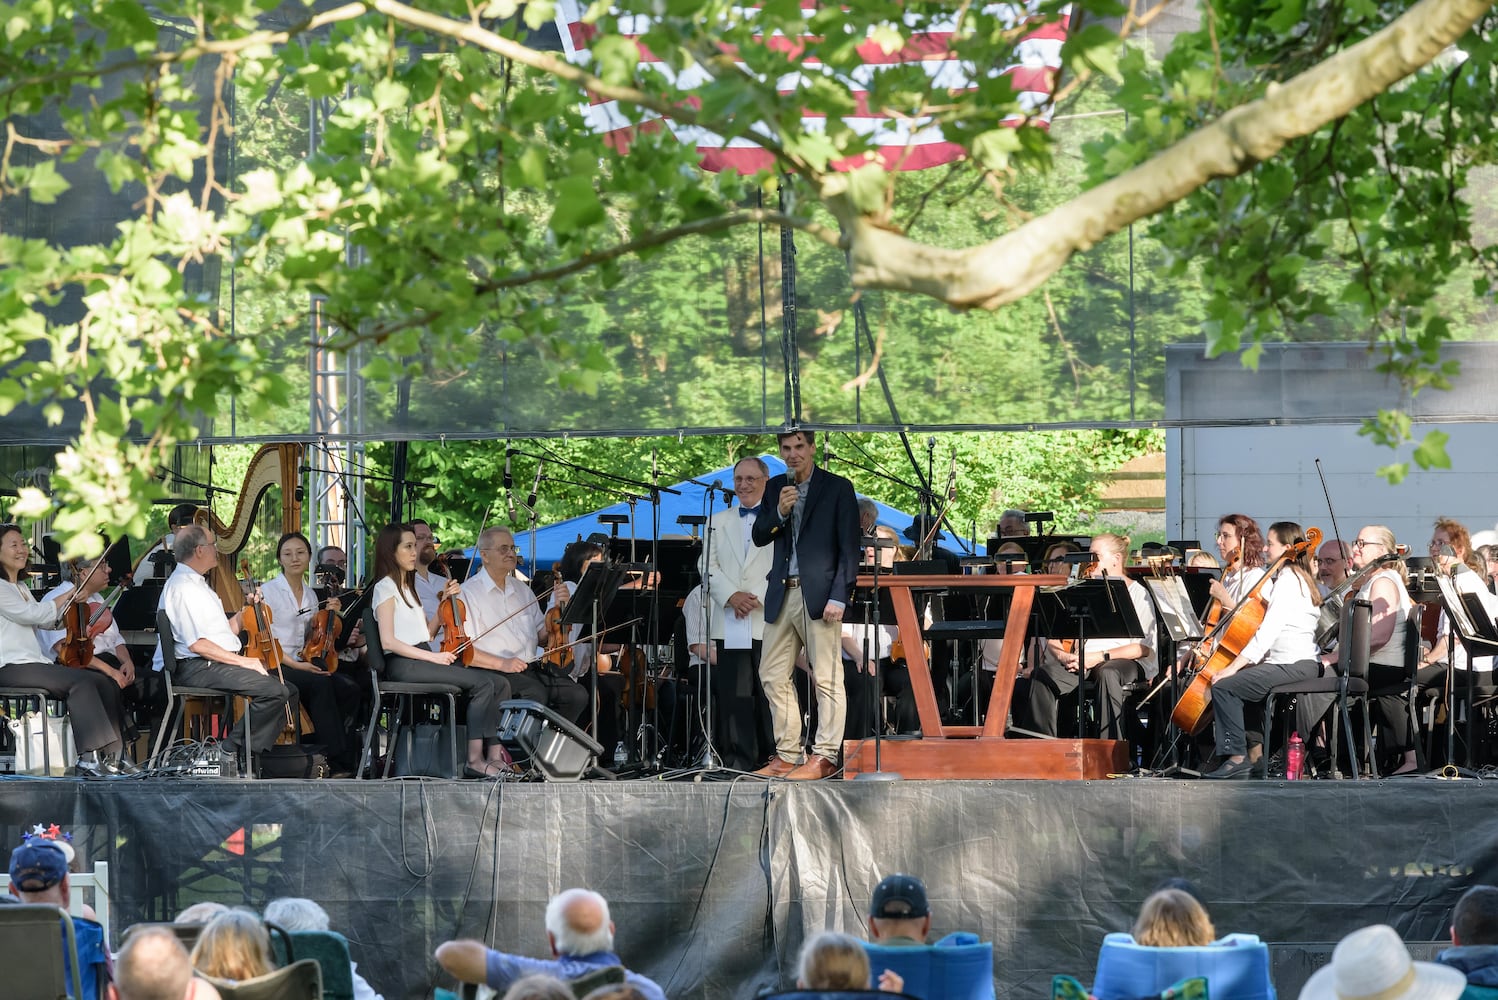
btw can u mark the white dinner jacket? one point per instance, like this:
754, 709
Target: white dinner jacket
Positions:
735, 568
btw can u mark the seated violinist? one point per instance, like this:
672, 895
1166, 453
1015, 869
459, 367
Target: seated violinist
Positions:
106, 646
506, 623
207, 645
1282, 650
331, 699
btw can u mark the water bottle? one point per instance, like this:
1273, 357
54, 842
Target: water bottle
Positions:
621, 755
1294, 757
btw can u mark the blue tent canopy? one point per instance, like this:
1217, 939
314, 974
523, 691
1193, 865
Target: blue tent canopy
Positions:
554, 538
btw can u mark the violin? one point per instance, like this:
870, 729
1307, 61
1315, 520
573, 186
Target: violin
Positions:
322, 637
1222, 646
451, 615
639, 686
256, 620
558, 650
77, 647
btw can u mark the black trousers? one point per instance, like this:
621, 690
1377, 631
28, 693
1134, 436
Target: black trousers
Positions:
95, 709
331, 700
862, 717
1250, 686
552, 688
484, 689
1050, 681
269, 698
742, 733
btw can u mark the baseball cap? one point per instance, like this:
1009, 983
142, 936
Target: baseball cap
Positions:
899, 896
37, 865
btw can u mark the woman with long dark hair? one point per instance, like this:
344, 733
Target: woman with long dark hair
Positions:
94, 706
404, 634
331, 700
1281, 651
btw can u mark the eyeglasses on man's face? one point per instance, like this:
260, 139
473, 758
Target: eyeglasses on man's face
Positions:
503, 550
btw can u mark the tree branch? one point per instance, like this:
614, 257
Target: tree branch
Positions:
1008, 268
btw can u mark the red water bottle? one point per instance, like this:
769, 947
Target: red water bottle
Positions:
1294, 757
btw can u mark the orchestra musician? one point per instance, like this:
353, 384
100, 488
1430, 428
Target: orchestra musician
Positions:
331, 700
111, 657
331, 571
95, 710
506, 623
737, 572
207, 645
1451, 548
813, 525
1116, 663
431, 573
405, 632
861, 638
1242, 547
1387, 591
1282, 650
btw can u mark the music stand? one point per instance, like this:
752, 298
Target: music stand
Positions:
868, 607
1474, 626
595, 592
352, 615
1090, 609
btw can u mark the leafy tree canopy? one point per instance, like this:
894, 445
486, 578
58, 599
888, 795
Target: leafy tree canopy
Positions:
456, 188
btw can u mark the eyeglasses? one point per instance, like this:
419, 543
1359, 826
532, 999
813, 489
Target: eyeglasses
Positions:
501, 549
1363, 543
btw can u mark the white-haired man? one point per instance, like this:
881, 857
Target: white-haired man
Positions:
581, 937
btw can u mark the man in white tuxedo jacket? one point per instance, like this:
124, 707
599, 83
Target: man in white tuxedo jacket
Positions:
736, 572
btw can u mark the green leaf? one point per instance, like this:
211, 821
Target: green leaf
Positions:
45, 184
1095, 47
577, 206
1430, 453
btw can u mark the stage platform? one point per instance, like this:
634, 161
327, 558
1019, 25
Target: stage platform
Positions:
715, 884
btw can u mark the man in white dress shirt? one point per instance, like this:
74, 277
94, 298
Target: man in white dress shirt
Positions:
429, 583
207, 644
494, 595
736, 572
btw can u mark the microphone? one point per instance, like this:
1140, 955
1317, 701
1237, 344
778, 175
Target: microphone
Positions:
510, 504
718, 486
509, 479
530, 501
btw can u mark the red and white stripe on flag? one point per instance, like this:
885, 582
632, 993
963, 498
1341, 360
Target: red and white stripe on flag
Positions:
900, 143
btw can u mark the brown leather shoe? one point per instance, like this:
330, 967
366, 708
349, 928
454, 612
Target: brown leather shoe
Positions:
815, 768
778, 767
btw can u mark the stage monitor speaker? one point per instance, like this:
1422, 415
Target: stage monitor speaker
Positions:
544, 743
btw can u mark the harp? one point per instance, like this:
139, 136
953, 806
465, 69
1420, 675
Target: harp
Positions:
273, 465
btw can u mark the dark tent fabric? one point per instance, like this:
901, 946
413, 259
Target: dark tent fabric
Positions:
553, 539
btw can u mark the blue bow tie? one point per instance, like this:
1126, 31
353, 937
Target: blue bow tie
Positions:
747, 511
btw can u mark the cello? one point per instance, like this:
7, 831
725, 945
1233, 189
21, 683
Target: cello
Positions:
1221, 647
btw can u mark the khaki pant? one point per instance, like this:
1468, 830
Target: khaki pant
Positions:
791, 631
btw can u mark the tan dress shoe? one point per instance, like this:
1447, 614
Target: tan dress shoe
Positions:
815, 768
778, 767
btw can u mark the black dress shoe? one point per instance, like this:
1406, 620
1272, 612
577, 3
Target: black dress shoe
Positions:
119, 766
1243, 769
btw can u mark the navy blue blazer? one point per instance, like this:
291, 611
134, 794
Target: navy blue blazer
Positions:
826, 549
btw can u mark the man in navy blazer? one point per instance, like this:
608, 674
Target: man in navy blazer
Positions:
811, 517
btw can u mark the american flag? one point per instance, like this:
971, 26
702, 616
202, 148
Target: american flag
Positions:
900, 143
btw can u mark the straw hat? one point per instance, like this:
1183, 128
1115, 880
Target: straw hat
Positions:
1374, 964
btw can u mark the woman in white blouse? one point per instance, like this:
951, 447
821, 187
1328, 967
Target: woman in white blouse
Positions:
404, 634
331, 700
1283, 650
93, 700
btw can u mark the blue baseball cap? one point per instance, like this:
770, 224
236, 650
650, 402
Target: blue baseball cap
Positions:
37, 866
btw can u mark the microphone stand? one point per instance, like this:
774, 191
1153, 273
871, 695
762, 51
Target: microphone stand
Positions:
871, 637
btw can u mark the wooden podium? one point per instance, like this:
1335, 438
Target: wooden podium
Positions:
974, 751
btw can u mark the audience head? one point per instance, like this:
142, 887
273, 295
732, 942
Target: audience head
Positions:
832, 961
1374, 962
1184, 885
899, 908
39, 867
615, 991
1172, 918
1475, 919
152, 965
200, 913
577, 923
234, 945
293, 913
539, 987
